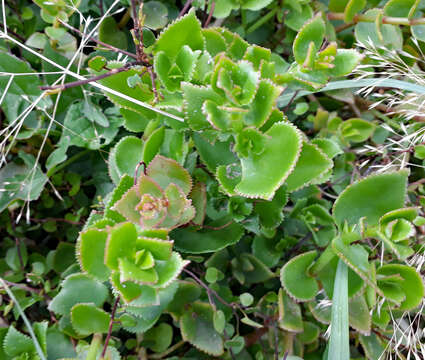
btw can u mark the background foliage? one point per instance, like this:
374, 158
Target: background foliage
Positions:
230, 179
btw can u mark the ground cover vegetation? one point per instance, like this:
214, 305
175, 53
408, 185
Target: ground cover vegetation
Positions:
229, 179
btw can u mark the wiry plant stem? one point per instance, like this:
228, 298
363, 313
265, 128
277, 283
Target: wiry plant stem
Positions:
111, 324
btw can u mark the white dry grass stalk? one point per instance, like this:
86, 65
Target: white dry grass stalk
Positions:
9, 292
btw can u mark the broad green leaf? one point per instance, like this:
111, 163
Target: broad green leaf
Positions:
295, 20
313, 31
260, 177
198, 196
155, 15
386, 191
187, 240
91, 251
310, 333
339, 346
271, 212
295, 278
159, 338
290, 318
137, 122
88, 319
411, 284
384, 35
311, 164
160, 249
124, 184
359, 314
214, 41
21, 181
129, 271
400, 8
184, 31
153, 144
265, 250
78, 288
187, 293
196, 326
111, 34
257, 271
372, 346
21, 84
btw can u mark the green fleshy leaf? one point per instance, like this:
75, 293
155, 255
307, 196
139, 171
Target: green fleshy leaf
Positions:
198, 196
295, 278
311, 164
399, 8
169, 270
155, 15
137, 122
153, 145
271, 212
165, 171
356, 130
387, 191
215, 43
289, 313
187, 240
310, 333
197, 328
372, 346
15, 343
121, 243
346, 60
187, 293
89, 319
126, 206
78, 288
411, 285
159, 338
123, 186
127, 154
359, 314
91, 251
255, 5
129, 271
194, 97
185, 30
260, 177
160, 249
312, 31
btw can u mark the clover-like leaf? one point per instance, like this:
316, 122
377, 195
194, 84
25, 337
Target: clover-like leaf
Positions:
197, 328
88, 319
346, 60
356, 130
78, 288
260, 175
387, 191
295, 278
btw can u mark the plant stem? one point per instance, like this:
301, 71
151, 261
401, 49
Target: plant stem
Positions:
110, 47
261, 21
111, 324
94, 347
62, 87
372, 18
55, 169
210, 15
168, 351
185, 7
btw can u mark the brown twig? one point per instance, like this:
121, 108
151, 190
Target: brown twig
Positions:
154, 89
62, 87
57, 220
111, 324
185, 7
210, 15
136, 172
110, 47
286, 108
344, 26
16, 35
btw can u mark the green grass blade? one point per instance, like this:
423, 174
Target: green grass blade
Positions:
286, 97
26, 321
339, 347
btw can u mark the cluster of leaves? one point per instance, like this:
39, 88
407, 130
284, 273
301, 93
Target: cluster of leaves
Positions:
200, 206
